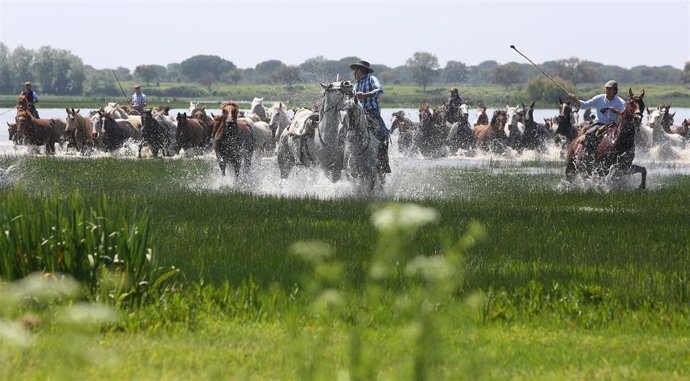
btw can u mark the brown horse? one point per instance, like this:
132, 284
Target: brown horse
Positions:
79, 131
535, 133
491, 137
233, 140
12, 133
37, 132
432, 132
615, 152
190, 133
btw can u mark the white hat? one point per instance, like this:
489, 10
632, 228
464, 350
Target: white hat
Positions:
611, 83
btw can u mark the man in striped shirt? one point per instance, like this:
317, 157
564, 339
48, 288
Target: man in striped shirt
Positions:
368, 90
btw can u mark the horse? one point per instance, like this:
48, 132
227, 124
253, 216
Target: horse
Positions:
36, 132
295, 144
233, 140
263, 135
115, 132
79, 131
490, 136
279, 120
513, 129
13, 133
615, 152
481, 118
535, 134
660, 122
565, 122
190, 133
408, 129
360, 148
155, 134
461, 134
257, 111
432, 133
311, 143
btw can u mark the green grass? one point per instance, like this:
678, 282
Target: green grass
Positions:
565, 285
308, 94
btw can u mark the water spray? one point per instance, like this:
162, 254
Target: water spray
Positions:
542, 70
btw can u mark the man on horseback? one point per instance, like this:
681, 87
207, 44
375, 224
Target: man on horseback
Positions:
606, 117
368, 90
138, 100
454, 103
31, 98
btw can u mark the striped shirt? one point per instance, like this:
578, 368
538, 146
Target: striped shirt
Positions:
138, 100
367, 84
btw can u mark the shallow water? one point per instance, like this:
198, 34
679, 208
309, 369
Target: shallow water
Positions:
413, 178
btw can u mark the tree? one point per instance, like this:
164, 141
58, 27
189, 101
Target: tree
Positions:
266, 70
206, 69
148, 73
287, 74
6, 85
423, 66
685, 76
508, 74
454, 72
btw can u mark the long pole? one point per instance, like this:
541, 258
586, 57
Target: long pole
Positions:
118, 83
542, 70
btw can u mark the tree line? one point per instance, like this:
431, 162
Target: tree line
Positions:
60, 72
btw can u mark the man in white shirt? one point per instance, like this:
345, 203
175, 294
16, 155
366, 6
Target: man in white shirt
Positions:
606, 117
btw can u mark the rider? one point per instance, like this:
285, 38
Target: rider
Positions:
138, 100
454, 103
368, 90
602, 103
31, 98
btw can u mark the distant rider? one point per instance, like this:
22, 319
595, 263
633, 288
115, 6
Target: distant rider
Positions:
31, 98
138, 100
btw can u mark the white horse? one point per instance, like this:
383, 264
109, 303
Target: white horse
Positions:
668, 144
513, 128
257, 111
309, 144
263, 136
360, 148
279, 120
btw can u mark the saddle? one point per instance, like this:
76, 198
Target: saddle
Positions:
300, 126
593, 137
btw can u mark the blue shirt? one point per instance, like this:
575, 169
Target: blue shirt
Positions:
31, 95
367, 84
138, 100
599, 102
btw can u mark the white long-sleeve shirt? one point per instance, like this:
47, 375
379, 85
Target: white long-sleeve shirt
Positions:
600, 101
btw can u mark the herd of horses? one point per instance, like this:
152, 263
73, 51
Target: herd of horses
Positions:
337, 137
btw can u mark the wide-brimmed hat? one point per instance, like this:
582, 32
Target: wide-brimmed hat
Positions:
137, 86
363, 64
454, 90
611, 83
27, 83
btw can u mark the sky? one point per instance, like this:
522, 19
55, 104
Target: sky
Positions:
123, 33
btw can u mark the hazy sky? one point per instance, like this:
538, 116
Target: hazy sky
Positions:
108, 34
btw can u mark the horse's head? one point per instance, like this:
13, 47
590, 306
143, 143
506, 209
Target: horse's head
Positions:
232, 108
12, 131
528, 112
511, 116
425, 115
498, 118
22, 103
635, 107
564, 109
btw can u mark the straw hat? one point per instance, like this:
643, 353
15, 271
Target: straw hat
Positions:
363, 64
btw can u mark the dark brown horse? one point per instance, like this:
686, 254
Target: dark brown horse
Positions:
233, 140
565, 122
36, 132
491, 137
408, 129
535, 133
190, 133
615, 152
155, 135
116, 132
432, 132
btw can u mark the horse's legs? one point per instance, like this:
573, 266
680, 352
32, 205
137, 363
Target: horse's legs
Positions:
643, 173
